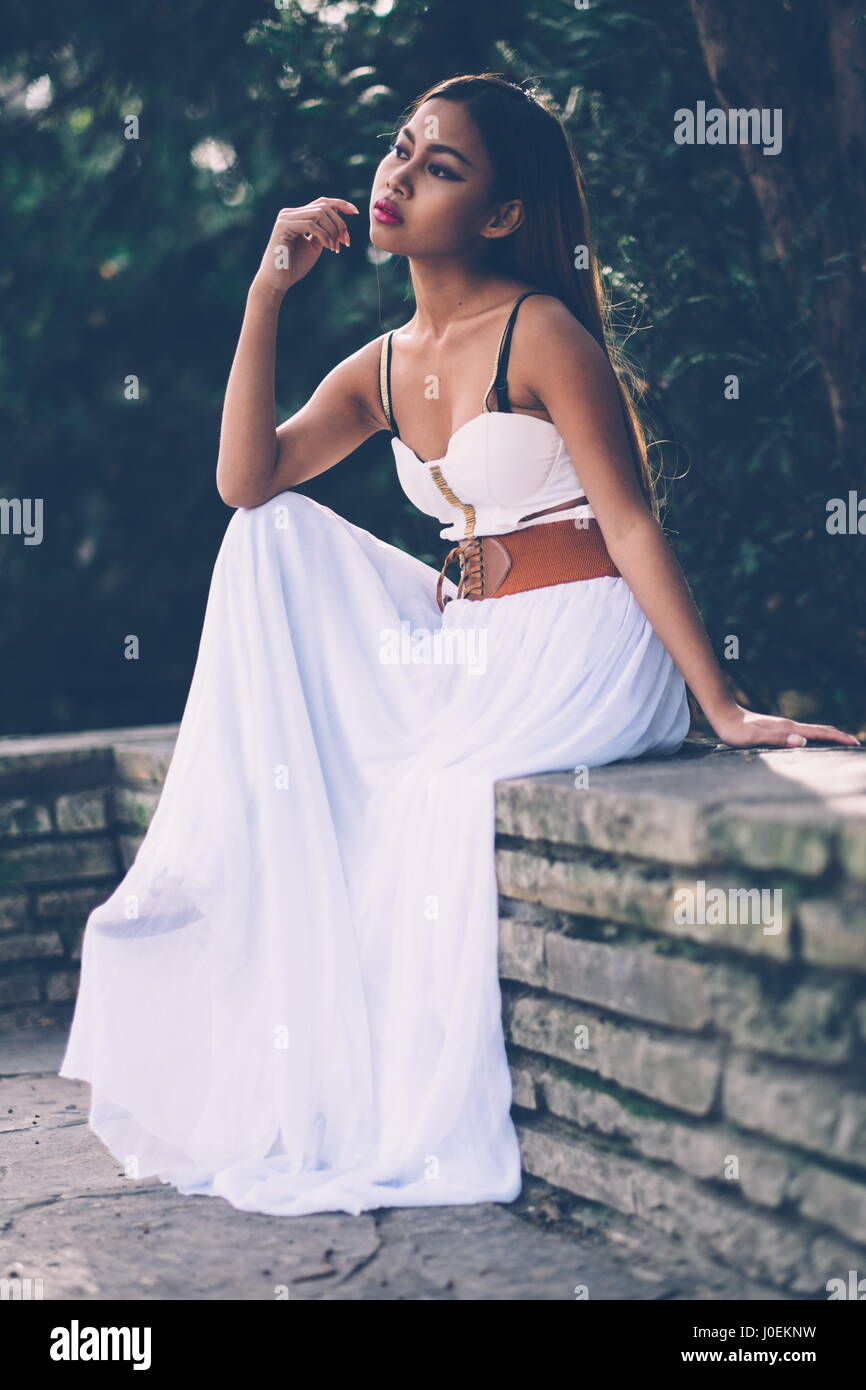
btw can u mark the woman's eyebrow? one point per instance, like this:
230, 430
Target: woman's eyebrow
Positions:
446, 149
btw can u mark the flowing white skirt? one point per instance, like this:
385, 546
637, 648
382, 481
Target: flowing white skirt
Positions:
292, 999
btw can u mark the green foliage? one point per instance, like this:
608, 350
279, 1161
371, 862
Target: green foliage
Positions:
133, 256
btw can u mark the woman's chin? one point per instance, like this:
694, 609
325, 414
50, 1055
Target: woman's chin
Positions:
382, 235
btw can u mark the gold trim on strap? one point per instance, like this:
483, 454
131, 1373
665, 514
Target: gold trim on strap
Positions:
450, 496
384, 395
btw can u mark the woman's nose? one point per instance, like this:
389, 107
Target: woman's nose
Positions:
398, 178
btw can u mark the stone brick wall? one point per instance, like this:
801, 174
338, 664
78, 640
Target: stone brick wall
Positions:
73, 810
706, 1077
703, 1076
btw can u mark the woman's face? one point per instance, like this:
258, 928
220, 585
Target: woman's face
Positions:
432, 192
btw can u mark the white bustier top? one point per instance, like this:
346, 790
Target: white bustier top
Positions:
502, 467
499, 470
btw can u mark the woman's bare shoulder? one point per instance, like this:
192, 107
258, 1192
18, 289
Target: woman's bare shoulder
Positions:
546, 317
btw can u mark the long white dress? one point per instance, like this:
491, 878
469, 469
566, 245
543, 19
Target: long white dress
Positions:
292, 1000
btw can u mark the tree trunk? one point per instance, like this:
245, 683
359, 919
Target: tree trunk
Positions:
810, 62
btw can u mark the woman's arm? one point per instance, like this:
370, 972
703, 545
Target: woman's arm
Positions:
256, 459
570, 373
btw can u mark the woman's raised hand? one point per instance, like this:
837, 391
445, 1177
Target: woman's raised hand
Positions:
298, 238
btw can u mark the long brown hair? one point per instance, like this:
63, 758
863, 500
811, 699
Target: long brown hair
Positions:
533, 159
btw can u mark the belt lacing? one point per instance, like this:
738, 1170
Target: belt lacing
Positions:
470, 553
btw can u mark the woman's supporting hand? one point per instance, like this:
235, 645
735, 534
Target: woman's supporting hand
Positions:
742, 728
298, 239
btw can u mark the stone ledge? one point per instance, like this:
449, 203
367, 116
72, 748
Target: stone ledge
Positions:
794, 809
707, 1041
69, 762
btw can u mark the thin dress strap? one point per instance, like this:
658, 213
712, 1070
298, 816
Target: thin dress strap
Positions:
385, 383
500, 374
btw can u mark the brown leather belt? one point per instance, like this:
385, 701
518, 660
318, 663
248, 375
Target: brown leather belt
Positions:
556, 552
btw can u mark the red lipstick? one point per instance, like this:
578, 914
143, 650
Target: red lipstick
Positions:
385, 211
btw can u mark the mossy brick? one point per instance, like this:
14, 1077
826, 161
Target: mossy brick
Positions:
18, 989
852, 843
762, 1172
756, 917
79, 811
14, 910
44, 1018
523, 1088
73, 902
799, 839
521, 952
30, 946
549, 807
635, 982
24, 817
817, 1112
833, 1200
134, 806
144, 764
833, 930
61, 985
759, 1243
65, 858
129, 845
680, 1072
811, 1020
655, 897
590, 885
59, 761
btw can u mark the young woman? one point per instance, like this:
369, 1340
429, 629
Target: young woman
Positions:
292, 999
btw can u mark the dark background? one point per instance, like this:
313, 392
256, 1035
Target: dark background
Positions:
134, 256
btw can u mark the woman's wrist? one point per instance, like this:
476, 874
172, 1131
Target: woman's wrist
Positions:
717, 709
720, 705
266, 293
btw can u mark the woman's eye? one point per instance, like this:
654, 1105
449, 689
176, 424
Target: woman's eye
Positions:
443, 172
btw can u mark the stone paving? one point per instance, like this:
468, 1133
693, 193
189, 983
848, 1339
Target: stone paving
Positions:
69, 1217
